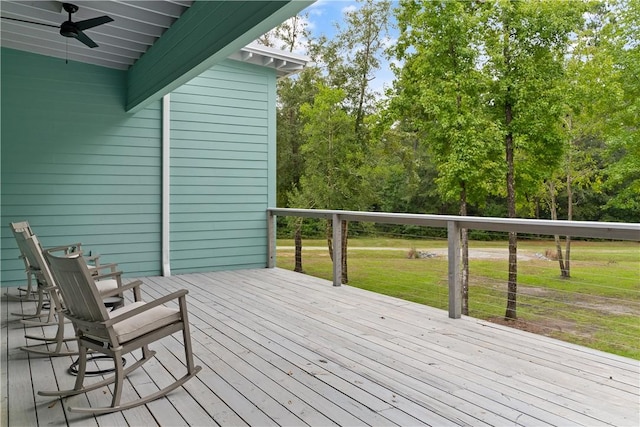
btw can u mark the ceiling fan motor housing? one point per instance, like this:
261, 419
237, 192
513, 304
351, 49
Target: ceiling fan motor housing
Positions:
68, 29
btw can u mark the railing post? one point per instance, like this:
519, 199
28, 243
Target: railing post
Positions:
271, 240
337, 250
455, 285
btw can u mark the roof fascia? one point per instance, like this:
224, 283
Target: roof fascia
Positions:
285, 63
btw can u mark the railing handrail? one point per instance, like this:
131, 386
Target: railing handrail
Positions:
589, 229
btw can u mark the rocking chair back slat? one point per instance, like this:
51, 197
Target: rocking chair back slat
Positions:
32, 250
78, 289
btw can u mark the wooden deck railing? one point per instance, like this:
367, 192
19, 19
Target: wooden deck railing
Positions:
453, 224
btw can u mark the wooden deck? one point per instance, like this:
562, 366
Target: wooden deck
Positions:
280, 348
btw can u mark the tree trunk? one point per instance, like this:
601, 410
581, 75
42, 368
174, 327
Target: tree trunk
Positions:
512, 285
464, 235
554, 217
298, 243
345, 230
567, 263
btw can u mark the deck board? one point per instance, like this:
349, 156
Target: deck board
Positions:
281, 348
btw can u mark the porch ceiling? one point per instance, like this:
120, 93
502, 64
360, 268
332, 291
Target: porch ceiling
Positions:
135, 28
162, 44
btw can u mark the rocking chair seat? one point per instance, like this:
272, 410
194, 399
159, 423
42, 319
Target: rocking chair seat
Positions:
142, 323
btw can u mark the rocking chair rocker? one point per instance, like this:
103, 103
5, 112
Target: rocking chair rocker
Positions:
116, 333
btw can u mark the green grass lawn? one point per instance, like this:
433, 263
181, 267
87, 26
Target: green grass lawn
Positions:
599, 306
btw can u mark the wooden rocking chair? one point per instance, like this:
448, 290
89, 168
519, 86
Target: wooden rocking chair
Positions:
29, 293
118, 332
109, 285
20, 230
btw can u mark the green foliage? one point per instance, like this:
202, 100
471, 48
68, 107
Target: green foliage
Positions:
571, 85
525, 44
353, 57
292, 94
440, 90
621, 46
331, 178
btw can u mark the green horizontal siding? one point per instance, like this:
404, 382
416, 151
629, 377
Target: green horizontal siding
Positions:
76, 166
80, 169
221, 133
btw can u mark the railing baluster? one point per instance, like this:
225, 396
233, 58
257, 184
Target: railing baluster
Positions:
337, 250
455, 286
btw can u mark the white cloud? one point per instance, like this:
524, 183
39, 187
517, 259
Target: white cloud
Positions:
349, 9
317, 8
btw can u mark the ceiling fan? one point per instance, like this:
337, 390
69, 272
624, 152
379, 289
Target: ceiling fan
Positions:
73, 29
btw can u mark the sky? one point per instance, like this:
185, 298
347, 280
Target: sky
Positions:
324, 14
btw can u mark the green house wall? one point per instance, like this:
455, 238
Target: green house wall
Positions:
81, 169
222, 152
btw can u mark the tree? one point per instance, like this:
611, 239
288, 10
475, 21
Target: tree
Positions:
621, 42
442, 84
524, 44
291, 35
362, 43
292, 94
350, 61
334, 159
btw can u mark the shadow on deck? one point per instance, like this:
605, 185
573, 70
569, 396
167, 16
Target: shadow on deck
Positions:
281, 348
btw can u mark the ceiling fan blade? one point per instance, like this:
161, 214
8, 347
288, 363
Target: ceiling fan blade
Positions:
93, 22
31, 22
85, 39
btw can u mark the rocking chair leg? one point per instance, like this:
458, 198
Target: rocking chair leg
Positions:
82, 366
119, 376
186, 336
146, 353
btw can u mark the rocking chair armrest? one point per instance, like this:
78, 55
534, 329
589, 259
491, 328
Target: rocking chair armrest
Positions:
96, 269
174, 295
112, 274
134, 286
66, 248
93, 258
